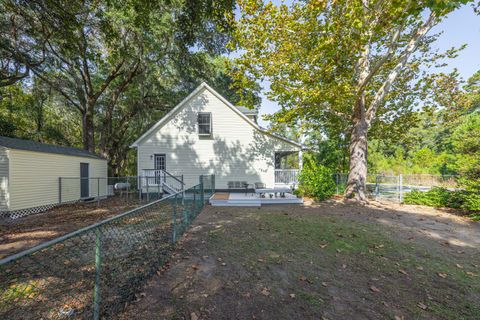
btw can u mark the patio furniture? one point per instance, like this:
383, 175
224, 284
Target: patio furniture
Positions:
275, 191
246, 185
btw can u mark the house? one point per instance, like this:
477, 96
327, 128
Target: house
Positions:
30, 175
206, 134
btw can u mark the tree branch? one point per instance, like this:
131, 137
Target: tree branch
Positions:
58, 89
411, 47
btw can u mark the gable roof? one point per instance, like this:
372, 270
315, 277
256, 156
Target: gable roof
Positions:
28, 145
238, 110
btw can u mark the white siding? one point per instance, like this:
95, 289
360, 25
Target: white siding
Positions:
34, 177
236, 151
3, 179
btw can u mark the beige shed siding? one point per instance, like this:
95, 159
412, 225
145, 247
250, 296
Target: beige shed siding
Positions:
236, 151
34, 178
4, 196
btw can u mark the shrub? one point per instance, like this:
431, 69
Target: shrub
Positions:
316, 182
441, 197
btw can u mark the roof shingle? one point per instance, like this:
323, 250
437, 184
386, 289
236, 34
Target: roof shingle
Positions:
20, 144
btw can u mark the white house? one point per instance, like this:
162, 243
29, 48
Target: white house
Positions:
30, 172
206, 134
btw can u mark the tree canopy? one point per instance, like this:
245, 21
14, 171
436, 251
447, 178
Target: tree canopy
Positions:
335, 66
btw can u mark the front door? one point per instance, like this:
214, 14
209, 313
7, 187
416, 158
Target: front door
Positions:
159, 165
84, 185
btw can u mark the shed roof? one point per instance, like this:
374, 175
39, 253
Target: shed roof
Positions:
20, 144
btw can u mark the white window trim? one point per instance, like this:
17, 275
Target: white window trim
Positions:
211, 128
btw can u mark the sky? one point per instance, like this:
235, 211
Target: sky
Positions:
460, 27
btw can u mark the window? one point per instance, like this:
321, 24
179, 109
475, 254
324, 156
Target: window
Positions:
204, 124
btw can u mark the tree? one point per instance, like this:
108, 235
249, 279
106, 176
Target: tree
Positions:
338, 63
102, 47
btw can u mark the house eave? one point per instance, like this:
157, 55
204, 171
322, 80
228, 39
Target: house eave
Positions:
204, 85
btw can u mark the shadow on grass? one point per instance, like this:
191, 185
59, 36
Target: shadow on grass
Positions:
334, 260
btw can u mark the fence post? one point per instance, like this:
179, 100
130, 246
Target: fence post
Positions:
202, 192
377, 191
139, 187
98, 192
128, 189
98, 262
400, 194
148, 193
336, 182
174, 226
194, 200
59, 190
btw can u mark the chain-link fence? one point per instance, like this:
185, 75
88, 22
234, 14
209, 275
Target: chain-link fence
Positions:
96, 271
393, 188
130, 189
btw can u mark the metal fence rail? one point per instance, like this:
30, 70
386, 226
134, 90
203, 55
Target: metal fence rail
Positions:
393, 188
96, 271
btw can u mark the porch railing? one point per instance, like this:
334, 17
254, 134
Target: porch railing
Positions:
286, 176
161, 178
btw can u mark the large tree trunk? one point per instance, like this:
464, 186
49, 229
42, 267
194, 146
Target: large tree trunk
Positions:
88, 129
357, 176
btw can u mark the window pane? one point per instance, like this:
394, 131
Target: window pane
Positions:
204, 124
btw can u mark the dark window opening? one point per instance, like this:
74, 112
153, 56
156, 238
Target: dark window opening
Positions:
204, 124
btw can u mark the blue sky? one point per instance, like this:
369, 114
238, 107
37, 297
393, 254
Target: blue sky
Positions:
460, 27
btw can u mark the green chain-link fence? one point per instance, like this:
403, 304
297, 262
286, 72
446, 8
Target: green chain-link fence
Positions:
96, 271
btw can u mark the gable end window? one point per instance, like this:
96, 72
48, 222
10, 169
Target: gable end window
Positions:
204, 124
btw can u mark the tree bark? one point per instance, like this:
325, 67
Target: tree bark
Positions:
88, 128
357, 176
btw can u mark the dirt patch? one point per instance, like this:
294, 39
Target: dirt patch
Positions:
23, 233
320, 261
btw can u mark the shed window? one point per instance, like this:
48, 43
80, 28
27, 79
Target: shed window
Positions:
204, 124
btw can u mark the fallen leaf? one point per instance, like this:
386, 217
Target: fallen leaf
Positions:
344, 266
323, 246
305, 279
292, 295
470, 273
260, 260
193, 316
194, 267
399, 318
265, 292
459, 266
422, 306
402, 271
442, 275
224, 264
324, 284
374, 289
419, 268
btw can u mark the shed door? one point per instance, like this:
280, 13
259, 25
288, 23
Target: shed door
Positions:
84, 192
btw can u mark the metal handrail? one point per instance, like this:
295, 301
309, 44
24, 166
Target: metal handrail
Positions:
166, 173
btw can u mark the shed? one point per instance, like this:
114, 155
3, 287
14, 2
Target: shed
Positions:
30, 175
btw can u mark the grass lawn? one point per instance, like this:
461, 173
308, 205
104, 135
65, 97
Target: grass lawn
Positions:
327, 261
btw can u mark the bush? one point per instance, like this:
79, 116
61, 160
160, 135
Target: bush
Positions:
316, 182
441, 197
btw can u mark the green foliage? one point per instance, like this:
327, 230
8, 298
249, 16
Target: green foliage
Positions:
441, 197
316, 182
